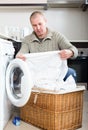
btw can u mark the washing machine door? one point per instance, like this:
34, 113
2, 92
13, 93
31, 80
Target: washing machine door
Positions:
18, 82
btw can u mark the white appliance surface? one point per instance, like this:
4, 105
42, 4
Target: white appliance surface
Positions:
6, 54
18, 82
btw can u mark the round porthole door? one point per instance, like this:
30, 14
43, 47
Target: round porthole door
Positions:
18, 82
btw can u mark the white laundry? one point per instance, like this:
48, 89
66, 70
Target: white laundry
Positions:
69, 84
47, 69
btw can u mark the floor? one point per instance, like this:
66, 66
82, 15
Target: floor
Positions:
25, 126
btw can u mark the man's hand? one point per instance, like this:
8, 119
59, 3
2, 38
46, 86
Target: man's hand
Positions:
21, 56
66, 54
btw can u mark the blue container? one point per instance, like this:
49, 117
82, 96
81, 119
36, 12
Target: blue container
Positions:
16, 121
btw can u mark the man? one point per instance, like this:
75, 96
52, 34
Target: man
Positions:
43, 39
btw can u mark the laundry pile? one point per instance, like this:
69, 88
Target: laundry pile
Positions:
48, 70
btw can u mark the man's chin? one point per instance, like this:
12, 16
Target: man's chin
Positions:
40, 35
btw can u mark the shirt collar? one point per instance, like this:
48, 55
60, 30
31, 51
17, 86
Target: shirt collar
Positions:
34, 38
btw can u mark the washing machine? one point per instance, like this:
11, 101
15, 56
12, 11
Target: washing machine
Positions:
13, 89
6, 55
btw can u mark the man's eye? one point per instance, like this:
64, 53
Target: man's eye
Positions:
40, 24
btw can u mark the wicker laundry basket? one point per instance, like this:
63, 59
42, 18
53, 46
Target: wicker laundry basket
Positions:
52, 111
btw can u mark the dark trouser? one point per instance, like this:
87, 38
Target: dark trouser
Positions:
72, 72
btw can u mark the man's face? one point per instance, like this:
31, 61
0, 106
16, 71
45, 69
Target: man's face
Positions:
39, 25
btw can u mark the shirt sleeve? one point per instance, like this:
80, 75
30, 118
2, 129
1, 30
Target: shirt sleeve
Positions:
64, 43
24, 48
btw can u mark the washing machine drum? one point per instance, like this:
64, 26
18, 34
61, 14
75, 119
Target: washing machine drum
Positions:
18, 82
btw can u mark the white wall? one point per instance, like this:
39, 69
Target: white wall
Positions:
72, 22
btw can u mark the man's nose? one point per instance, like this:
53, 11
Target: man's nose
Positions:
38, 27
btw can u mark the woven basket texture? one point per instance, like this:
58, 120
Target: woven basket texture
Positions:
54, 111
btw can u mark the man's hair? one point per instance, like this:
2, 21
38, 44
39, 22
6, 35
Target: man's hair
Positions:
35, 13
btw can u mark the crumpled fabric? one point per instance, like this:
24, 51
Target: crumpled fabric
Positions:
47, 69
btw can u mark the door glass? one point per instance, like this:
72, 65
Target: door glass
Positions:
15, 81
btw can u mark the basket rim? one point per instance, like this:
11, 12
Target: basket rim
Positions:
62, 91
